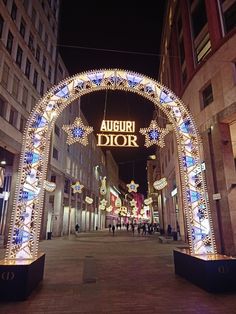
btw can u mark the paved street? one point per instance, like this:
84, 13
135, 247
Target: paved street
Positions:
98, 273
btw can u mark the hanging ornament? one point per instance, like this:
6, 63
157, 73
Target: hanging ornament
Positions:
49, 186
118, 202
133, 203
132, 186
103, 202
88, 200
103, 189
77, 187
77, 132
154, 134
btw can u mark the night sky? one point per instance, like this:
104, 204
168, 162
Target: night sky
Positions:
88, 31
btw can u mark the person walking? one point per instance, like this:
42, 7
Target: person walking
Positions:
113, 230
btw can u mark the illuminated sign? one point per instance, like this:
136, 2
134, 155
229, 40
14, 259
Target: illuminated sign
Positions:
160, 184
120, 139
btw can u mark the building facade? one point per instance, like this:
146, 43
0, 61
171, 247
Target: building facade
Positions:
30, 65
198, 64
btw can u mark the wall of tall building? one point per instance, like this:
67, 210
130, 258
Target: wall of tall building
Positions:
30, 65
198, 64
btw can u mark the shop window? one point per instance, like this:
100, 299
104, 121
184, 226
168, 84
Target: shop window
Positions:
207, 96
31, 42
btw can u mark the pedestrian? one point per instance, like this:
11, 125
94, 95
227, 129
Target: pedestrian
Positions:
109, 227
132, 226
77, 228
169, 230
113, 230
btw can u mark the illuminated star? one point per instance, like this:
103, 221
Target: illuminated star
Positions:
77, 132
133, 203
77, 187
154, 134
132, 187
103, 202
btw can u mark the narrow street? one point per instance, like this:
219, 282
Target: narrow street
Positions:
98, 273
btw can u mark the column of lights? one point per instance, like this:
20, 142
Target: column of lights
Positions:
26, 216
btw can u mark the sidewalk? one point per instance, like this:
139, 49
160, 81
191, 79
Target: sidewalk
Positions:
98, 273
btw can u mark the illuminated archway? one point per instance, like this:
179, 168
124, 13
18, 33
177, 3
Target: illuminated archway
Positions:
26, 217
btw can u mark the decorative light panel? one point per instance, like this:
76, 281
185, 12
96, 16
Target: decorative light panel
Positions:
27, 211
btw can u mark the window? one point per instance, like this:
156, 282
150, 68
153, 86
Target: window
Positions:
5, 75
46, 40
42, 88
207, 96
13, 11
31, 42
27, 68
13, 117
33, 102
44, 63
40, 29
55, 153
228, 9
25, 97
37, 55
22, 124
49, 72
15, 86
22, 27
19, 54
199, 17
2, 107
57, 130
33, 16
9, 42
1, 25
35, 79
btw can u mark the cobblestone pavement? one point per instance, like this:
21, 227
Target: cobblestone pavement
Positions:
98, 273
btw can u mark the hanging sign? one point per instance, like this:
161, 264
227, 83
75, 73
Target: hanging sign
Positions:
160, 184
121, 136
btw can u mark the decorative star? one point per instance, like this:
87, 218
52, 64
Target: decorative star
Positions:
77, 187
77, 132
132, 187
154, 134
103, 202
133, 203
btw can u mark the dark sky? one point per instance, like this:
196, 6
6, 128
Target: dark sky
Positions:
89, 30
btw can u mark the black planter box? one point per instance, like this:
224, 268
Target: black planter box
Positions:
213, 272
19, 278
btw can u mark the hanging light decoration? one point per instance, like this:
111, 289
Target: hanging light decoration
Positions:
77, 187
77, 132
154, 134
132, 186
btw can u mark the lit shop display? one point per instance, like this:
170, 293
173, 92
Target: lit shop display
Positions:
28, 205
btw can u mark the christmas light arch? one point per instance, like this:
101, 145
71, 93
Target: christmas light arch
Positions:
26, 216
